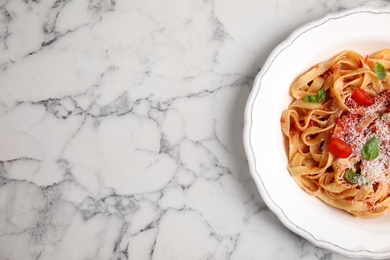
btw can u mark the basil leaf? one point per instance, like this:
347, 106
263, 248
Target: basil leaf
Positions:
384, 116
380, 71
356, 178
310, 99
318, 98
321, 95
371, 149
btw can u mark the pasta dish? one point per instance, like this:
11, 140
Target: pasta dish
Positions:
338, 131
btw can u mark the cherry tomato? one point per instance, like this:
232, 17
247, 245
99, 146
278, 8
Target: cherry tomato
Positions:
339, 148
362, 97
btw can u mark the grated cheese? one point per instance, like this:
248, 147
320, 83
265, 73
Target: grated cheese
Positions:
358, 126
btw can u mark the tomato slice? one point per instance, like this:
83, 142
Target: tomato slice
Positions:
362, 97
339, 148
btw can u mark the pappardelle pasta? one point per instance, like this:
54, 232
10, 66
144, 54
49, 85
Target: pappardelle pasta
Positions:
338, 131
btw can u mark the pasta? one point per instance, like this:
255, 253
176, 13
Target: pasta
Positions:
338, 132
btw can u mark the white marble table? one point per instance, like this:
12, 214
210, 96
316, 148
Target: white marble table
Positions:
121, 128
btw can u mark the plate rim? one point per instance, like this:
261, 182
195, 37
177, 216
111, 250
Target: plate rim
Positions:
248, 122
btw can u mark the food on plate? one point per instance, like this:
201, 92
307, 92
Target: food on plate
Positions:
338, 131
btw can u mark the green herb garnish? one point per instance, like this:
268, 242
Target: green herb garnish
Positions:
384, 116
356, 178
320, 97
380, 71
371, 149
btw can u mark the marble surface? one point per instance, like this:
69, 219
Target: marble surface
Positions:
121, 128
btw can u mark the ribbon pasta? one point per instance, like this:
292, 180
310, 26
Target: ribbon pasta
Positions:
310, 123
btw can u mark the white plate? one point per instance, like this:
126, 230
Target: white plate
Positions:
364, 30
